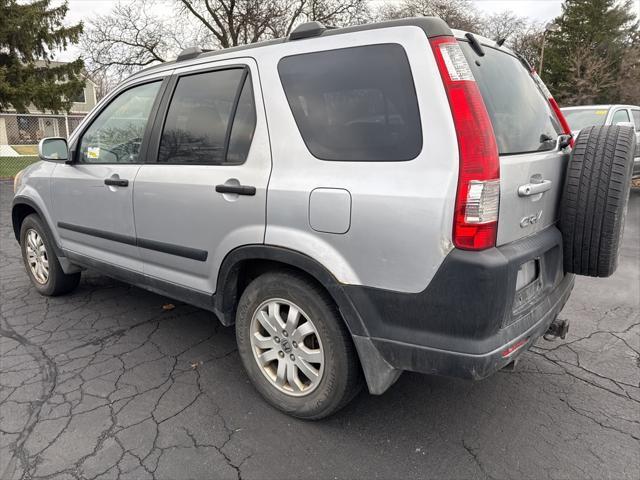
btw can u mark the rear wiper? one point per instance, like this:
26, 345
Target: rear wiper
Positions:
475, 44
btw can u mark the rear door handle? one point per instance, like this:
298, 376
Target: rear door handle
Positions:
534, 188
239, 189
116, 182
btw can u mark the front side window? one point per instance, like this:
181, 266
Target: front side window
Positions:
354, 104
116, 133
203, 108
620, 116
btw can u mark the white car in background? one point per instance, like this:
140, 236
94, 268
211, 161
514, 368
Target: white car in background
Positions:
588, 115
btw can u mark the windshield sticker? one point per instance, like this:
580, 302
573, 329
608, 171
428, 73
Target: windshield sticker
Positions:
93, 152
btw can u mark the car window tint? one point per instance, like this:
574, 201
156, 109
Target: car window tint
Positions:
116, 134
196, 125
521, 116
620, 116
244, 124
354, 104
636, 119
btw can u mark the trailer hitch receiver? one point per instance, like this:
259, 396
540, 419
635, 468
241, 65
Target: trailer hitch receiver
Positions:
558, 328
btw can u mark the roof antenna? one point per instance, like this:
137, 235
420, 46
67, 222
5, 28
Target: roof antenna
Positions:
501, 42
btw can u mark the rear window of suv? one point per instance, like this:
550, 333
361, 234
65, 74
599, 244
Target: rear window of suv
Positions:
522, 118
354, 104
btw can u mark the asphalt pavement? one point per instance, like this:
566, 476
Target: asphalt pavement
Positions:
105, 383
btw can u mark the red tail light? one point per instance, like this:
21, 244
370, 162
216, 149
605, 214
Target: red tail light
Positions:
554, 105
475, 220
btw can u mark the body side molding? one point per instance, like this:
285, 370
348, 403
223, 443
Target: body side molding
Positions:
171, 249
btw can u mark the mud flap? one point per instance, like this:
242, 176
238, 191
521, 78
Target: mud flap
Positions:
379, 374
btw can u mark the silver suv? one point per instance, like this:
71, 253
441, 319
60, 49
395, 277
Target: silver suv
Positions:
357, 201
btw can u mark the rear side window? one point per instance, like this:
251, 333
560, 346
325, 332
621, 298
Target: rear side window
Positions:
620, 116
354, 104
522, 118
210, 121
636, 119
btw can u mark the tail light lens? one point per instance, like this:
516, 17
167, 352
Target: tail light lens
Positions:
554, 105
475, 222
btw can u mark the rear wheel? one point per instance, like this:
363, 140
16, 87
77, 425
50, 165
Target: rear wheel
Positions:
295, 347
594, 200
41, 262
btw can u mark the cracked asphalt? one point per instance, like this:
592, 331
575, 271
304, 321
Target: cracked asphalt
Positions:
104, 383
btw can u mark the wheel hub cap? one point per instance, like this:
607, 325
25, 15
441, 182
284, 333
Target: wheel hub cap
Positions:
37, 257
287, 348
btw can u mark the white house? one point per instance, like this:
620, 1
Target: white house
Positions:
29, 128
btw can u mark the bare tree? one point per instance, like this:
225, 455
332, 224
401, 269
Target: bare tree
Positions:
590, 74
528, 43
104, 82
457, 13
504, 25
140, 33
135, 35
238, 22
629, 79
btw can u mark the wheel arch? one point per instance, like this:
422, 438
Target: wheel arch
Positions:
379, 374
23, 207
243, 264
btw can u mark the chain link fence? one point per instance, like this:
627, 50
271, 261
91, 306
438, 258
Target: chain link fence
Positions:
20, 134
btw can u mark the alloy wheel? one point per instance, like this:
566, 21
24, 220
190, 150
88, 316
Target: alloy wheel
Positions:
287, 347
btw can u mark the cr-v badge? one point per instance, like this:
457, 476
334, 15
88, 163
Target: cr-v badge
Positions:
530, 219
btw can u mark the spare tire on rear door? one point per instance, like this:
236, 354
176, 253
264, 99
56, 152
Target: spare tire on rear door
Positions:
594, 200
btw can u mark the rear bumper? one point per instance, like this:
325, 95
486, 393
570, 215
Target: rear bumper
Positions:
425, 359
469, 314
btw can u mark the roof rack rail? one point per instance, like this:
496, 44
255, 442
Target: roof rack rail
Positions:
307, 30
190, 52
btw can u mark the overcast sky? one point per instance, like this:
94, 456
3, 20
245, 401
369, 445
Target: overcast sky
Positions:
540, 10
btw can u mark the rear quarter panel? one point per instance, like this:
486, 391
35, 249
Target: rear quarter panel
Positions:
402, 212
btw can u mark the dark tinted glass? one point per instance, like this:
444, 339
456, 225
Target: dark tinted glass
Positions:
354, 104
522, 118
244, 123
196, 126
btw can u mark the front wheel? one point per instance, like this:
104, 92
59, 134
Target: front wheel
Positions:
295, 347
41, 262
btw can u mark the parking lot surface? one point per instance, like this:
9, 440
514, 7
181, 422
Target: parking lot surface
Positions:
105, 383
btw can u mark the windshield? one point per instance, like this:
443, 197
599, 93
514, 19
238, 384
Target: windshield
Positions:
579, 118
521, 116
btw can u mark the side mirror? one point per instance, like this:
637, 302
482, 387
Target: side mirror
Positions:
625, 124
53, 149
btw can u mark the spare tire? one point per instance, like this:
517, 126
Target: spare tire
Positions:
594, 199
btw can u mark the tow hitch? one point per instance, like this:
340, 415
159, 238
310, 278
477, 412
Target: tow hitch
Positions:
558, 328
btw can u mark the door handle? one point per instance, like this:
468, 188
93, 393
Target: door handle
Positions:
534, 188
116, 182
238, 189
